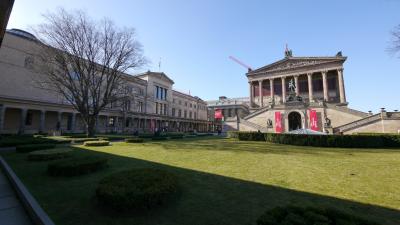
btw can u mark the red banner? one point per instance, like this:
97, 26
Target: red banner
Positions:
218, 114
278, 122
313, 119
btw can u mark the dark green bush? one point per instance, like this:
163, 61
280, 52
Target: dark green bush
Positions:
139, 189
134, 140
146, 135
51, 154
341, 141
96, 143
33, 147
15, 140
175, 135
81, 140
308, 216
76, 166
159, 138
250, 136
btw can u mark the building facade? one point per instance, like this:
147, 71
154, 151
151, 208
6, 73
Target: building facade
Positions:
153, 104
307, 93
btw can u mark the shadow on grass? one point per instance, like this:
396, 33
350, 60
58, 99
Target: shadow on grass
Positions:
227, 144
206, 199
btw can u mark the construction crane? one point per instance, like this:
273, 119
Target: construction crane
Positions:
241, 63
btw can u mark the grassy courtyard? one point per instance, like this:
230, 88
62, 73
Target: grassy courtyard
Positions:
224, 181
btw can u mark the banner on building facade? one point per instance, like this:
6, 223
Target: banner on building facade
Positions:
218, 114
278, 122
313, 119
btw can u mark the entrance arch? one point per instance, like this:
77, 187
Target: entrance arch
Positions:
294, 119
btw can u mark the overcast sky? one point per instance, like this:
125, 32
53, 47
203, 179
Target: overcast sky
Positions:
195, 38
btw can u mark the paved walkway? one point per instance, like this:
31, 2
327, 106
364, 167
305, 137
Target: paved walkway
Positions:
11, 209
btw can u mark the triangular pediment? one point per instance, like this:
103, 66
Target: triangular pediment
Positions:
295, 63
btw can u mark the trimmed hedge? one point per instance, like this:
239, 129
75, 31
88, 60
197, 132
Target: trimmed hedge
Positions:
45, 155
159, 138
134, 140
15, 140
138, 189
76, 166
146, 135
33, 147
96, 143
306, 216
340, 141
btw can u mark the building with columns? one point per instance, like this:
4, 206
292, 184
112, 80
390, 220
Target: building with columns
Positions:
307, 93
25, 108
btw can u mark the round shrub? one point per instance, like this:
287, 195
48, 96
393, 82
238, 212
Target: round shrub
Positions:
134, 140
33, 147
306, 216
96, 143
139, 189
76, 166
51, 154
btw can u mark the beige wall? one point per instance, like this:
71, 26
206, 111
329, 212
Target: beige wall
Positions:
381, 126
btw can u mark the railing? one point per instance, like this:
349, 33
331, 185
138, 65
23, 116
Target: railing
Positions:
358, 123
253, 125
348, 110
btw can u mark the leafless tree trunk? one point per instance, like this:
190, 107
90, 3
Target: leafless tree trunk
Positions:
86, 61
395, 45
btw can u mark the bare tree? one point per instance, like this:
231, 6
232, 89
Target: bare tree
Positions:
395, 45
86, 61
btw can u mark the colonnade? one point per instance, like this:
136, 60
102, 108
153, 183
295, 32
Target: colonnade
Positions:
51, 121
342, 96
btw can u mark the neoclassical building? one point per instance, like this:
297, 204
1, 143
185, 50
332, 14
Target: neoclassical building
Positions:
25, 108
307, 93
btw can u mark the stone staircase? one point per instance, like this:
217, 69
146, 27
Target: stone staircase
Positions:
253, 125
255, 112
348, 110
358, 123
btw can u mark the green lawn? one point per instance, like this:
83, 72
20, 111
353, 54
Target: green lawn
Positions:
224, 181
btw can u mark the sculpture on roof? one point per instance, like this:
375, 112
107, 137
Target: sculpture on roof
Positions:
292, 86
288, 52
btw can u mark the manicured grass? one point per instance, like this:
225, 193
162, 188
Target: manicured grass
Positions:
224, 181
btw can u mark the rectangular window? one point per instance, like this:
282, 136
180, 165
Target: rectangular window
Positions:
156, 108
173, 111
165, 109
165, 94
180, 113
161, 109
161, 93
185, 114
195, 116
140, 108
190, 115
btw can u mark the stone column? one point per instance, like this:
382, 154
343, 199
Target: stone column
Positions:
341, 86
73, 122
59, 119
42, 121
23, 120
283, 90
251, 94
325, 85
296, 83
260, 94
271, 88
2, 115
310, 87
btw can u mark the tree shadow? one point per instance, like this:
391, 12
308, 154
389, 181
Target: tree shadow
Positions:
226, 144
206, 199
